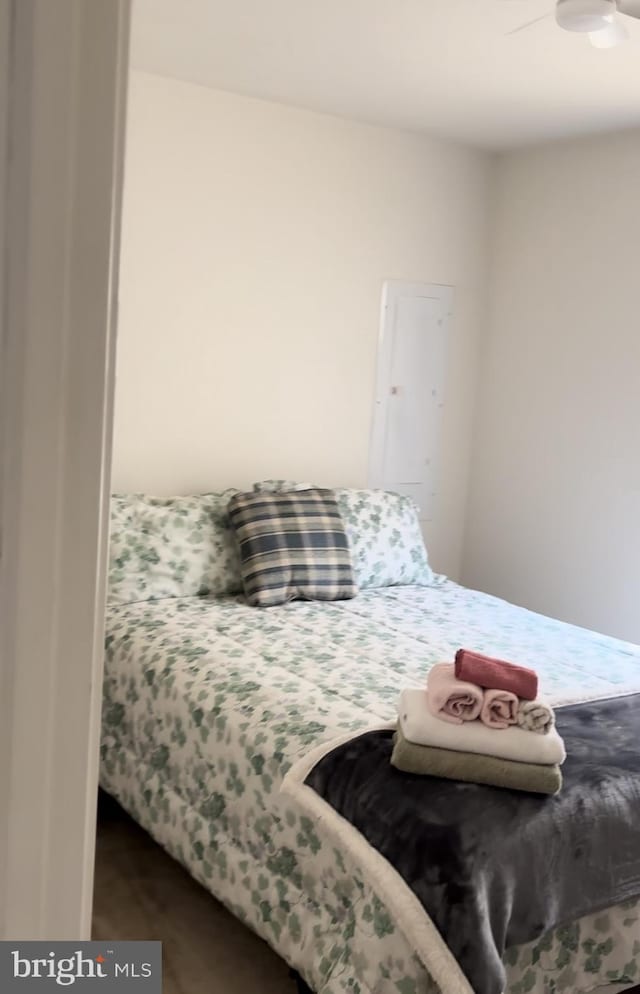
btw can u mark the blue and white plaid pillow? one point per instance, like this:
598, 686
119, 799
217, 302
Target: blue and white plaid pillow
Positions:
292, 546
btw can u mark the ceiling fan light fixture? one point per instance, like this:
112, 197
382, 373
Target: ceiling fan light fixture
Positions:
593, 16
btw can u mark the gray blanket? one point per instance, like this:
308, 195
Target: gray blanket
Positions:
495, 868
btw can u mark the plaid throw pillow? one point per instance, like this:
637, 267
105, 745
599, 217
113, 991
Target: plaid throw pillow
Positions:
292, 546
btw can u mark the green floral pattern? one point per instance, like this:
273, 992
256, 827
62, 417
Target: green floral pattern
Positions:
208, 702
386, 541
171, 547
274, 486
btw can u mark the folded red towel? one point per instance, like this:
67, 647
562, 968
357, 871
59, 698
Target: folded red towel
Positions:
495, 674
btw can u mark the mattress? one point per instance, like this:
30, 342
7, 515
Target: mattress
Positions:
208, 704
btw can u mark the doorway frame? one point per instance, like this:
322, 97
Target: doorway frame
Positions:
63, 86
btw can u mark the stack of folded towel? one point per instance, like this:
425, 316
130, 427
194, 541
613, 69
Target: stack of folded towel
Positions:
480, 720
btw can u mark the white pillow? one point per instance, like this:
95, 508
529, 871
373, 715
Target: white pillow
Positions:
171, 547
385, 537
280, 486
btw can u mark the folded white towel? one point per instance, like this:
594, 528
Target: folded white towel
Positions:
536, 716
422, 728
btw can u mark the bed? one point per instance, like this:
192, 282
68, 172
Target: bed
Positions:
209, 704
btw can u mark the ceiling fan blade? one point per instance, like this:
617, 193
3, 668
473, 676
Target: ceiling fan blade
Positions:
611, 36
629, 7
529, 24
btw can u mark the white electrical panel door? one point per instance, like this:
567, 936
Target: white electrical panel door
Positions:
409, 401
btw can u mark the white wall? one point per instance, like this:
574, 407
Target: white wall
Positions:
256, 240
554, 498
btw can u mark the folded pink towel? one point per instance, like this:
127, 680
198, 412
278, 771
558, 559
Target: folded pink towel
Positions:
450, 699
495, 674
499, 708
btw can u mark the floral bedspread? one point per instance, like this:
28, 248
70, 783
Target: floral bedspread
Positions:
207, 703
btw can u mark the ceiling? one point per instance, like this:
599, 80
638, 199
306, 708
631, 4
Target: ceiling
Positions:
446, 67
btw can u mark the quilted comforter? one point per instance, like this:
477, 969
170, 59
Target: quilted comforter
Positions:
209, 703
